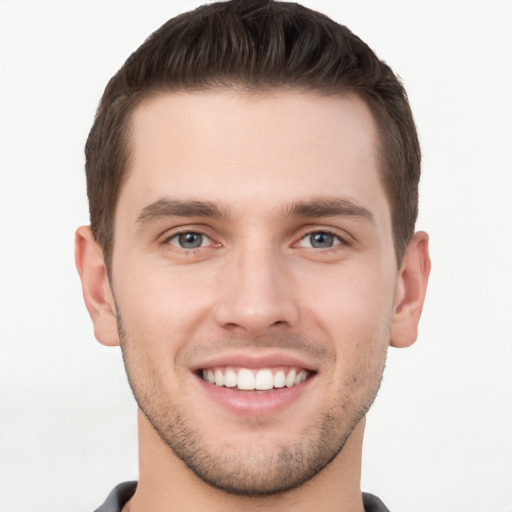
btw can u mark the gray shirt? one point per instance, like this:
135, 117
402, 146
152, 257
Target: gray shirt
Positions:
123, 492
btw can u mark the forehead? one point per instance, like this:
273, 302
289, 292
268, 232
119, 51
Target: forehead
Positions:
233, 147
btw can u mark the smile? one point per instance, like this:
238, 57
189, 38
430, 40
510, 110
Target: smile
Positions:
263, 379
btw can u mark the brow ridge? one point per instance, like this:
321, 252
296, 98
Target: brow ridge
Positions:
180, 208
328, 207
316, 207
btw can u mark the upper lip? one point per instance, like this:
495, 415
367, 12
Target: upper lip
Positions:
253, 360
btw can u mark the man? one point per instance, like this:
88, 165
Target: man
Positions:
252, 177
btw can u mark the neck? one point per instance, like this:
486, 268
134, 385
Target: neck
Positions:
166, 484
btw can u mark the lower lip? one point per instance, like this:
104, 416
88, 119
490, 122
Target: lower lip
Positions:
252, 404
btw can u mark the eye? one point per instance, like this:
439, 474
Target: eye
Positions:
189, 240
320, 240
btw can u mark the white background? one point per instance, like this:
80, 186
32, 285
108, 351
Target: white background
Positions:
439, 438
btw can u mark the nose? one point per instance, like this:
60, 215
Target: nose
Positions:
256, 293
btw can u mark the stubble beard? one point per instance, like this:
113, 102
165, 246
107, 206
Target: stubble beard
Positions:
249, 470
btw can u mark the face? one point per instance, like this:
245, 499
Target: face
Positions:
254, 277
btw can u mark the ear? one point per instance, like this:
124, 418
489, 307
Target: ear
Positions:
410, 292
96, 287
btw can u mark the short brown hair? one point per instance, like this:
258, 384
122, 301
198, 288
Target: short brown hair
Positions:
254, 45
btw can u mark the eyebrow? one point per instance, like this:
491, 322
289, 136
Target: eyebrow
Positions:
316, 207
328, 207
177, 208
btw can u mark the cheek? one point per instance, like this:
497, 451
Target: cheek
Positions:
356, 317
163, 307
354, 303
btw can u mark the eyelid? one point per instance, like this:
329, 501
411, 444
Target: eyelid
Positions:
307, 239
204, 240
342, 236
169, 234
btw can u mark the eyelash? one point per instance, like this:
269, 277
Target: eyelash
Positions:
176, 247
338, 240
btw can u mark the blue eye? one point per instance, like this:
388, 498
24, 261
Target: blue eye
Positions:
320, 240
188, 240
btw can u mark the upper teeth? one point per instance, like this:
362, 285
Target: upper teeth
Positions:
249, 380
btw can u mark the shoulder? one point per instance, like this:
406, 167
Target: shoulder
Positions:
118, 497
373, 504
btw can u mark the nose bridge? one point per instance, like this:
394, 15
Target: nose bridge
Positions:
257, 293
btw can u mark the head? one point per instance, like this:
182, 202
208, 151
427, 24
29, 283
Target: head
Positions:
254, 46
252, 175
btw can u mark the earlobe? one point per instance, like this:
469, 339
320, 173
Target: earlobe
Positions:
410, 292
96, 287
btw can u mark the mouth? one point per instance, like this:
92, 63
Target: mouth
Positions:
256, 384
255, 379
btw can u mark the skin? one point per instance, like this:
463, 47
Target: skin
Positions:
267, 171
